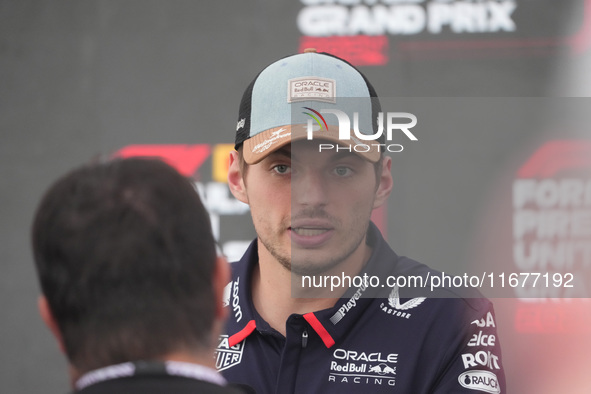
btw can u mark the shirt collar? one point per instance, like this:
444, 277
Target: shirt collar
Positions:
348, 310
143, 368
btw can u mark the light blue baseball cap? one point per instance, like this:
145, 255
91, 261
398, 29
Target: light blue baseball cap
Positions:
297, 83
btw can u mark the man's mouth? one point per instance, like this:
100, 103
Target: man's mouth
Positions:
309, 231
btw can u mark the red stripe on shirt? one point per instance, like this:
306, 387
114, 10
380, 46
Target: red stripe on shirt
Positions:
319, 328
240, 335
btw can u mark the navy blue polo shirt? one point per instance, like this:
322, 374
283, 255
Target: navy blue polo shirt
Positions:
384, 343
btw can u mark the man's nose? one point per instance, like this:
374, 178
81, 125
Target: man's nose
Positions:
309, 189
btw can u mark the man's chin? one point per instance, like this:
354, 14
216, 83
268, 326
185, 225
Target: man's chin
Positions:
311, 268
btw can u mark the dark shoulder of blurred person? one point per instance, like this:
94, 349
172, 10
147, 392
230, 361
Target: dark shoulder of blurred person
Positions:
131, 283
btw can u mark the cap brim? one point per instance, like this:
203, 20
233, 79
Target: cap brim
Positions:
261, 145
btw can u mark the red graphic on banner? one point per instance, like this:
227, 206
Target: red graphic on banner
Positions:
572, 317
185, 158
557, 156
358, 50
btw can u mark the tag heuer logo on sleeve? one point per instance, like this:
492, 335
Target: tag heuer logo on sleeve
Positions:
226, 356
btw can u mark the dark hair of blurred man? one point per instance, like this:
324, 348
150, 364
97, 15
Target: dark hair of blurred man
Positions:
132, 288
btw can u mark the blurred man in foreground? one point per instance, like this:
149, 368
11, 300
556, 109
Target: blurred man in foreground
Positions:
131, 283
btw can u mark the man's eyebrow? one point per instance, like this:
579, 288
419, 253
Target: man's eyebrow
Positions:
345, 155
283, 152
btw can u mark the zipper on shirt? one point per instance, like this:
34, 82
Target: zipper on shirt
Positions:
305, 338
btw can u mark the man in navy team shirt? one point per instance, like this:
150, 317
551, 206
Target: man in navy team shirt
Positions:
311, 206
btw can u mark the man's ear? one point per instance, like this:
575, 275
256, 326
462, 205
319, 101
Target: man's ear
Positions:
235, 178
50, 322
221, 277
385, 187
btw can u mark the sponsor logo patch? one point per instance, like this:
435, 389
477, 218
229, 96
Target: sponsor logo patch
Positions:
481, 339
269, 142
489, 322
394, 301
396, 308
240, 124
311, 88
346, 307
367, 368
481, 359
480, 380
227, 294
226, 356
236, 300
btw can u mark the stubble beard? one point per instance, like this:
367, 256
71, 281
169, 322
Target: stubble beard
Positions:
309, 266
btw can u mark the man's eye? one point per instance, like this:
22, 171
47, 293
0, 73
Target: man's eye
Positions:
281, 169
343, 171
